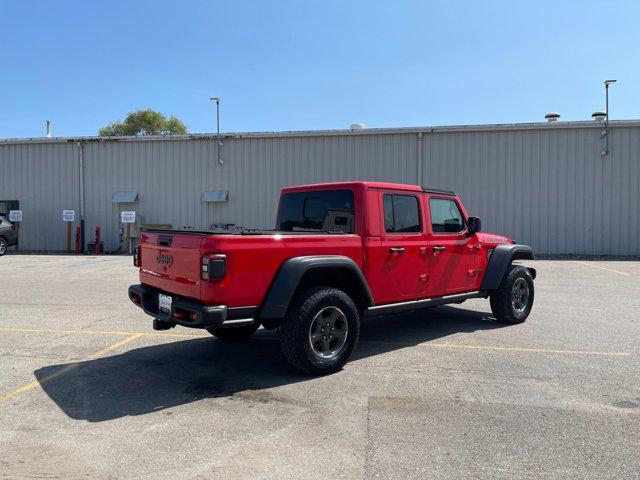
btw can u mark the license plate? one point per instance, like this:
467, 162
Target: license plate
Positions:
164, 302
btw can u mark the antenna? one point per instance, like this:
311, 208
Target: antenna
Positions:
218, 140
605, 132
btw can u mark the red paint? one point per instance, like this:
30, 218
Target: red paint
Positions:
253, 260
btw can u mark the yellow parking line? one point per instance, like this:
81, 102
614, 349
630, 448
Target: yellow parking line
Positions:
522, 349
98, 332
604, 268
364, 342
114, 346
66, 369
498, 348
33, 385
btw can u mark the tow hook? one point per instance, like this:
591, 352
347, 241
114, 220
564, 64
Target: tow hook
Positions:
161, 325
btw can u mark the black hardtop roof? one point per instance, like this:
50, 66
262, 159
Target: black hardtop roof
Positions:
438, 190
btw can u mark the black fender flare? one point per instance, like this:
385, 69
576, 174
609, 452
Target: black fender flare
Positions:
291, 271
500, 259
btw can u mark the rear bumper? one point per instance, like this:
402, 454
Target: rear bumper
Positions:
184, 311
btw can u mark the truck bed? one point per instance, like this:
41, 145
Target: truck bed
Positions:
171, 260
243, 232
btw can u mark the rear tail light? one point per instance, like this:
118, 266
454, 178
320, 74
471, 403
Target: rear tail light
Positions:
213, 267
136, 256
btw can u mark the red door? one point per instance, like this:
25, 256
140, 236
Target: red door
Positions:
451, 254
403, 243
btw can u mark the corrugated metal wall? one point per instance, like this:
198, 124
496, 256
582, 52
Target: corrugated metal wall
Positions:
44, 178
547, 187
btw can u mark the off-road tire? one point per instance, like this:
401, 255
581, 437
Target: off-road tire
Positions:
234, 334
501, 298
295, 331
3, 246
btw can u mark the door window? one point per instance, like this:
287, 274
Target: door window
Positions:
446, 216
401, 214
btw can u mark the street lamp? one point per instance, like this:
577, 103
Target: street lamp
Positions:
218, 140
605, 151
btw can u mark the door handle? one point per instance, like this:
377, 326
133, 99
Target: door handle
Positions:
438, 249
396, 250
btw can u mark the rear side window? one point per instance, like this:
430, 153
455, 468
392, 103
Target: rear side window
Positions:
317, 211
401, 214
445, 216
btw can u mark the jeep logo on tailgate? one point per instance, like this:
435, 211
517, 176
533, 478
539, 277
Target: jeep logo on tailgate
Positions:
164, 259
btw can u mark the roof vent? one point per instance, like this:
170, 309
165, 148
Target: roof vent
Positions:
552, 116
599, 116
48, 128
357, 126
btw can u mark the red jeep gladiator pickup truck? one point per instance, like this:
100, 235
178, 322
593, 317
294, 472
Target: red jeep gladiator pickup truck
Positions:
339, 251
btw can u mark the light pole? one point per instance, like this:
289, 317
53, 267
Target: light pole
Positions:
605, 151
218, 140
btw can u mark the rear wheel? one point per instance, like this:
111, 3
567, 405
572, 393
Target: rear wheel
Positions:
3, 246
513, 300
320, 331
234, 333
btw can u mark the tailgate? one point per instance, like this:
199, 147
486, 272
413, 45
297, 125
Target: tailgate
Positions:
171, 262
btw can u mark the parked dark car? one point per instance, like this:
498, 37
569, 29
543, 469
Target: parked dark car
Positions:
8, 236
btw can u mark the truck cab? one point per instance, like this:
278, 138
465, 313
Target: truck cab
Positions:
339, 252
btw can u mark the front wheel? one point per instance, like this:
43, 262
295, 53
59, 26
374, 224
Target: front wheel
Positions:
513, 300
3, 246
320, 331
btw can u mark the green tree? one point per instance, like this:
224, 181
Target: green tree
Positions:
144, 122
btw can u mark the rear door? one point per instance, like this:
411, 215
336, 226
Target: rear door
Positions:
403, 244
450, 252
171, 262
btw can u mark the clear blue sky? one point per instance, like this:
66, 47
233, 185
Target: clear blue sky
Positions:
305, 64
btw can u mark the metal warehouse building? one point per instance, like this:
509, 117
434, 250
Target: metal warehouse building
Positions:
544, 184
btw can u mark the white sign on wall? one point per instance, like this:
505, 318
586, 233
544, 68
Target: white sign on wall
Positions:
128, 217
68, 215
15, 215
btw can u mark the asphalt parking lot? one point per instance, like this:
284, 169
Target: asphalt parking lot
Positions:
89, 390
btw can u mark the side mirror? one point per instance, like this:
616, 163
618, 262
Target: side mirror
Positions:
474, 225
